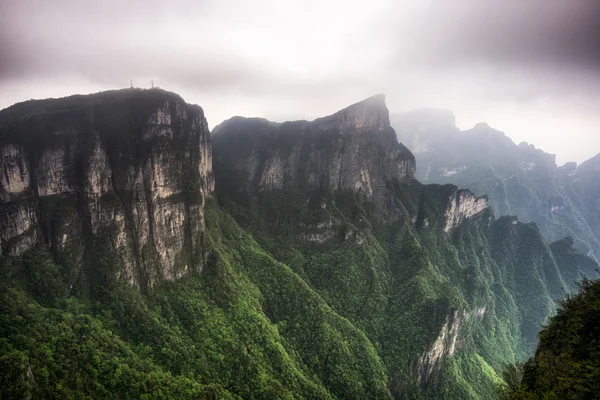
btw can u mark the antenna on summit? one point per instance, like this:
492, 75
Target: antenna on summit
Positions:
131, 84
152, 84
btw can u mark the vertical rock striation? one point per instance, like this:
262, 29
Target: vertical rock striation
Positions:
353, 150
134, 166
463, 205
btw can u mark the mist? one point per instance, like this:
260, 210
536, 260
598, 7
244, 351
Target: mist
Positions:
528, 68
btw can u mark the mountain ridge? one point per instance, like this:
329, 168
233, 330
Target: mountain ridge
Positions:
519, 179
319, 267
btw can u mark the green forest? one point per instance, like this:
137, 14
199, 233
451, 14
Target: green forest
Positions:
566, 364
270, 319
147, 259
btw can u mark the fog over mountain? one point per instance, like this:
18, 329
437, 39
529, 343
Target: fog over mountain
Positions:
528, 68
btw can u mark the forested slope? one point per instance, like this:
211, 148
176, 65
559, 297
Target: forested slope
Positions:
317, 268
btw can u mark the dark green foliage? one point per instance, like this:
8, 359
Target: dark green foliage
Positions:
400, 284
43, 278
446, 308
567, 360
67, 353
338, 353
297, 291
349, 316
247, 326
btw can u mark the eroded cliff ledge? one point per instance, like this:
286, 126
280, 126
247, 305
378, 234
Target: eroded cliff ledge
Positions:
130, 166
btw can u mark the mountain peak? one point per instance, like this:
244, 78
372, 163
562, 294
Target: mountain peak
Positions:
482, 125
369, 114
592, 165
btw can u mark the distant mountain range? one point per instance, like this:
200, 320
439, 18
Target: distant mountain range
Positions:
518, 179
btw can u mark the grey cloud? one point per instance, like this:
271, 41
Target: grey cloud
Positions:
111, 41
189, 43
305, 58
551, 33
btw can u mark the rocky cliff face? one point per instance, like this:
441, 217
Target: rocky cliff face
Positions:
426, 269
352, 150
134, 166
369, 115
463, 206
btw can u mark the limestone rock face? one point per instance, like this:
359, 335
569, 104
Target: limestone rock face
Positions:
132, 165
444, 346
352, 150
462, 206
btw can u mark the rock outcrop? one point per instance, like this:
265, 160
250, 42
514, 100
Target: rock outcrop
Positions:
463, 205
132, 165
352, 150
444, 346
369, 115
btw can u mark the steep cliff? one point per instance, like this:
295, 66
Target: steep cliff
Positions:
134, 165
440, 286
352, 150
107, 194
518, 179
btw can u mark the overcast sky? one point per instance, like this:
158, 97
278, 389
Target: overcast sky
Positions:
530, 68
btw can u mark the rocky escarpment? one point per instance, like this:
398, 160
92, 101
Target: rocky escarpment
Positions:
446, 343
133, 166
352, 150
369, 115
463, 206
421, 278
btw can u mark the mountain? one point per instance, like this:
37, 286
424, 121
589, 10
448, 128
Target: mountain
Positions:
518, 179
441, 287
147, 258
116, 164
354, 150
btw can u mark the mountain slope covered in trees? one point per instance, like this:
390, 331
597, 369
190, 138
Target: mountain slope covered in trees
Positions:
316, 267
